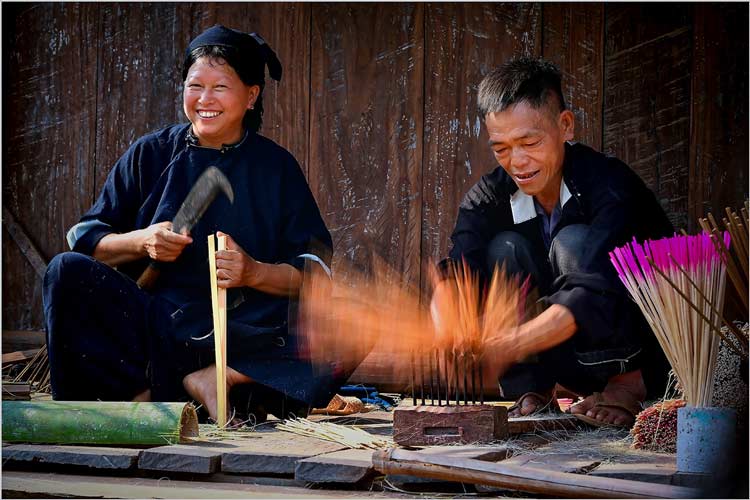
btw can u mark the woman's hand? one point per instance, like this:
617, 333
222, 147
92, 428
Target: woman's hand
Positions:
161, 244
235, 268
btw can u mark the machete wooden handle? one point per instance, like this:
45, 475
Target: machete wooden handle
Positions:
149, 276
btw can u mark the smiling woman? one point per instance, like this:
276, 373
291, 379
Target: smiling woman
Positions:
129, 343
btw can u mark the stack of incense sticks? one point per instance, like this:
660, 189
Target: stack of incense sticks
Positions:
678, 283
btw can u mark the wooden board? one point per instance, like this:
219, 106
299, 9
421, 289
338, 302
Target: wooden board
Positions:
272, 453
15, 340
561, 462
719, 120
573, 37
181, 458
647, 97
365, 144
347, 466
99, 457
463, 42
39, 485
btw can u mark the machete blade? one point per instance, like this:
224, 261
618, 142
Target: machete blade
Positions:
209, 184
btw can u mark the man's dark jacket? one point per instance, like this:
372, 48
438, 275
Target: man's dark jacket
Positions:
605, 195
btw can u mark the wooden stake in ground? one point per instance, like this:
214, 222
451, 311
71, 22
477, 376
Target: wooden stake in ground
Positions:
219, 309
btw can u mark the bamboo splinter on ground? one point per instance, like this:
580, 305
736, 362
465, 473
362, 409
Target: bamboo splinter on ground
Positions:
218, 307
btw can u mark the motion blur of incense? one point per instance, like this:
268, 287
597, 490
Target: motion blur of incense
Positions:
341, 321
678, 283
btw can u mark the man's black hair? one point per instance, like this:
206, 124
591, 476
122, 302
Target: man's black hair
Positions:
247, 69
520, 79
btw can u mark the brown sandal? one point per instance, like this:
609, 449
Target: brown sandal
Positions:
599, 402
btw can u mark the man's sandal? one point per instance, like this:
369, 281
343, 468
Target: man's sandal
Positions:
546, 403
632, 409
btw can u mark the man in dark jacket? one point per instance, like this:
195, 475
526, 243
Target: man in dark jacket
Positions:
551, 212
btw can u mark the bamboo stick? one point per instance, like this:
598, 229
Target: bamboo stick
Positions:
98, 422
218, 307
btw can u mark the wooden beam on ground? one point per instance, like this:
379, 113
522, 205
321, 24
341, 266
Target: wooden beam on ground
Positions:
99, 457
24, 243
536, 481
347, 466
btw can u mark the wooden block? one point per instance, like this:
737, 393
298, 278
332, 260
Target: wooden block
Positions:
16, 392
542, 422
272, 453
347, 466
95, 457
435, 425
15, 340
181, 458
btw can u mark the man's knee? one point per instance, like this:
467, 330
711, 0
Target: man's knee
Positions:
512, 250
567, 248
65, 266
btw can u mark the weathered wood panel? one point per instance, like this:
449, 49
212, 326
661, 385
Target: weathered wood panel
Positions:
573, 38
139, 81
647, 97
48, 131
719, 127
365, 142
463, 42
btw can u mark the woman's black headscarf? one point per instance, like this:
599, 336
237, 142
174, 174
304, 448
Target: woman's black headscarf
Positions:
247, 53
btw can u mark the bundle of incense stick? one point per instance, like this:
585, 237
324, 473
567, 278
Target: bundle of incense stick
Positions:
219, 309
343, 319
678, 283
735, 258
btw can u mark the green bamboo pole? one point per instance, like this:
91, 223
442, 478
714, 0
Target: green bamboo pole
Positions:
98, 422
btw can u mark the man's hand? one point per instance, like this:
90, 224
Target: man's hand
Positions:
161, 244
235, 268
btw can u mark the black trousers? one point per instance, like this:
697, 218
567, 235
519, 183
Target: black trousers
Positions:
109, 340
585, 362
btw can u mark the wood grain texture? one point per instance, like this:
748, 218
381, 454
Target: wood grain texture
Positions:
573, 38
463, 42
100, 457
365, 141
719, 120
647, 97
48, 130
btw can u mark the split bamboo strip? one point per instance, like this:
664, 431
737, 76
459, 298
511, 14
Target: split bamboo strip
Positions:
218, 308
98, 422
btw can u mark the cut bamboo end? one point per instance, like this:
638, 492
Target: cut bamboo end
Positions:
188, 423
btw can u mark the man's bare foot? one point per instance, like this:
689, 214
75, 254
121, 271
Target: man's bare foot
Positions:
144, 396
201, 386
627, 389
531, 402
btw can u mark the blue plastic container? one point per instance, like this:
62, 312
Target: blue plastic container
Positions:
706, 440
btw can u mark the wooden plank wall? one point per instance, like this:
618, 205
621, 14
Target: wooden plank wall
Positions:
378, 103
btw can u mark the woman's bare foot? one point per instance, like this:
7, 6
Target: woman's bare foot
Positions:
627, 388
201, 386
144, 396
